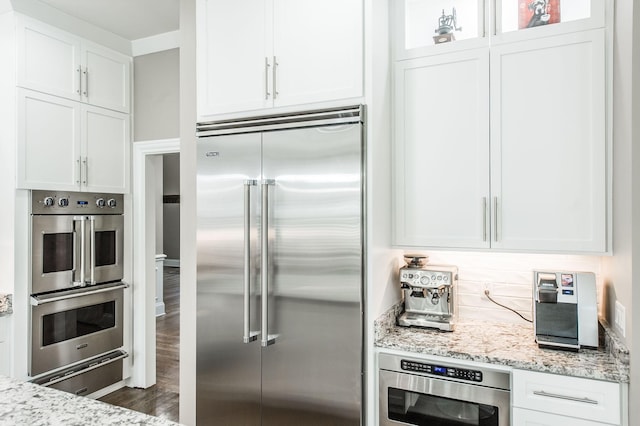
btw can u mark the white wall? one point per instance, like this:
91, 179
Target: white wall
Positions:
187, 213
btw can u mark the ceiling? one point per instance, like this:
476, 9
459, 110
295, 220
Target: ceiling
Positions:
130, 19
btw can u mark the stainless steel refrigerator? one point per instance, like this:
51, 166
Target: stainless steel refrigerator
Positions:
280, 270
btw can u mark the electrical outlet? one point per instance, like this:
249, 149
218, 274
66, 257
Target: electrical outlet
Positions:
620, 318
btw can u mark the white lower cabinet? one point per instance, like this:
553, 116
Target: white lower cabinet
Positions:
541, 399
67, 145
522, 417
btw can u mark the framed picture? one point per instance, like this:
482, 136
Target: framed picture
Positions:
534, 13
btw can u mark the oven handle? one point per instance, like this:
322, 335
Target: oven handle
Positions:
48, 298
92, 250
83, 232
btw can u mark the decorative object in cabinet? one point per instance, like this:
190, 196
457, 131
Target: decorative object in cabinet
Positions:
264, 54
67, 145
58, 63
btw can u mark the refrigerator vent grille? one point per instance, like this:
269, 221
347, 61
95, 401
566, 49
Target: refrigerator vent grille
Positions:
352, 114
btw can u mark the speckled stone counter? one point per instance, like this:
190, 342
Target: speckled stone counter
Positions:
6, 306
504, 344
29, 404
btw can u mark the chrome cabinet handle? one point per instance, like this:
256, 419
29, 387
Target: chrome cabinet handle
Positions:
79, 91
267, 339
266, 78
85, 178
92, 250
79, 162
566, 397
85, 73
248, 335
275, 68
484, 218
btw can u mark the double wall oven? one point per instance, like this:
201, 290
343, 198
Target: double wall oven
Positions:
76, 290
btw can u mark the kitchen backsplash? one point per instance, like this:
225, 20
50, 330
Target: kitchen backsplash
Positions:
509, 277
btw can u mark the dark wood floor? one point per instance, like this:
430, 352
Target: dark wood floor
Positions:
160, 400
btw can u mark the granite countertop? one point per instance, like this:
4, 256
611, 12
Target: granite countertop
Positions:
6, 305
29, 404
505, 344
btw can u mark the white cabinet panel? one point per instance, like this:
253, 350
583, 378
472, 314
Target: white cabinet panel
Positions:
318, 50
549, 143
262, 54
48, 142
106, 78
442, 167
233, 52
587, 399
67, 145
48, 60
106, 135
58, 63
522, 417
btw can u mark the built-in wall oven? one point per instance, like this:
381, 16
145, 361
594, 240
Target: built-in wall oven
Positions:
77, 293
423, 392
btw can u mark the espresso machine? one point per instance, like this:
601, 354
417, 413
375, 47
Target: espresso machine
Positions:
430, 294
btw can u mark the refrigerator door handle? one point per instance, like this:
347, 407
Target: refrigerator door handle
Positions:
267, 339
248, 335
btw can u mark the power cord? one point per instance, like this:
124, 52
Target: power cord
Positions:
486, 293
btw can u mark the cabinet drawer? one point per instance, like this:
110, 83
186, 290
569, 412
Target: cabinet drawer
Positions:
522, 417
593, 400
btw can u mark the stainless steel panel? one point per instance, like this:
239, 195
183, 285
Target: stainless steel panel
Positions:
45, 279
312, 373
56, 355
228, 369
113, 270
442, 388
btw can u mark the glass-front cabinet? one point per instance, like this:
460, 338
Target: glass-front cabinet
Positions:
425, 27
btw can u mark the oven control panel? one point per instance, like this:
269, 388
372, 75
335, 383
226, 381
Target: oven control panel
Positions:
428, 277
441, 370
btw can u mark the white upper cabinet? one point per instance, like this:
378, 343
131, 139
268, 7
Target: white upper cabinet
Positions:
58, 63
67, 145
549, 145
501, 141
442, 167
260, 54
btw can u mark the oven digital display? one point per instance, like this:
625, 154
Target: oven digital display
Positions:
83, 203
439, 370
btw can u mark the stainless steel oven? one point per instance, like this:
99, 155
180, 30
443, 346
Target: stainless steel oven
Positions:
423, 392
76, 279
70, 326
76, 240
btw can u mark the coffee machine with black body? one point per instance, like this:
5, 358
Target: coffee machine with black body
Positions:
430, 294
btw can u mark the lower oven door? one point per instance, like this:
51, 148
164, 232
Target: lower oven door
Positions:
407, 399
68, 327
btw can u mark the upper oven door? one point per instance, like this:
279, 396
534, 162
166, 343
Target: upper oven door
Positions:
407, 399
55, 253
70, 251
105, 249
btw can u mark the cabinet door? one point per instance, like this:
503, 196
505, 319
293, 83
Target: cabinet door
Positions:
442, 150
106, 155
233, 42
106, 78
522, 417
48, 59
318, 48
48, 142
548, 138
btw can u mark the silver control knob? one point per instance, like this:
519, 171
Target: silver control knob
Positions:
63, 202
111, 202
100, 202
48, 201
424, 279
